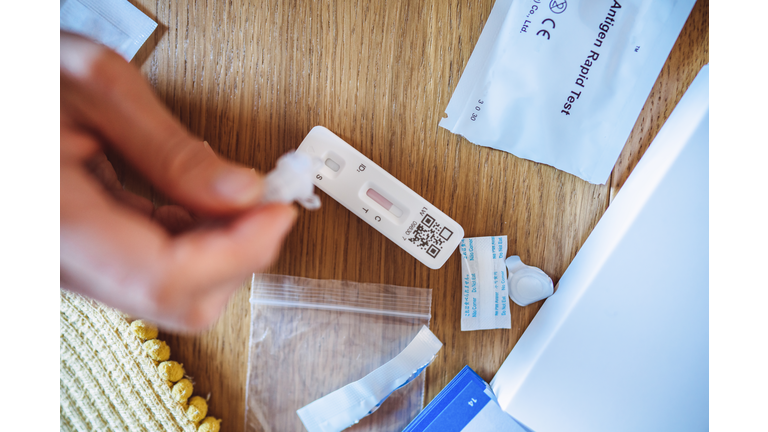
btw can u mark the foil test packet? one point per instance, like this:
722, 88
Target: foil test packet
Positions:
485, 301
562, 83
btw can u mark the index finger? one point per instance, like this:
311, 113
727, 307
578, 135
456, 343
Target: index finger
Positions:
107, 95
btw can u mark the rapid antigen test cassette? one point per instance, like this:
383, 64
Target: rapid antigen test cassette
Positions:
381, 200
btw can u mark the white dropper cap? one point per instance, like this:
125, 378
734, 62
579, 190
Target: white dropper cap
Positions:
291, 181
527, 284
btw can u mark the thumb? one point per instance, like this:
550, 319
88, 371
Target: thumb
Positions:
105, 94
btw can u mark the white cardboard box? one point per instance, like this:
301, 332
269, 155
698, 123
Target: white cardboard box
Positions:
623, 344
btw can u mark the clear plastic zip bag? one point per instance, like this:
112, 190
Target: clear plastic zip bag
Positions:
312, 337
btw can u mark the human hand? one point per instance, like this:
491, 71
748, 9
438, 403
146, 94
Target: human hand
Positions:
115, 246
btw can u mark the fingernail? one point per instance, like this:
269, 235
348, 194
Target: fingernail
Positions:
240, 187
208, 147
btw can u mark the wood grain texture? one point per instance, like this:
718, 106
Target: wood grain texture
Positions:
688, 56
252, 78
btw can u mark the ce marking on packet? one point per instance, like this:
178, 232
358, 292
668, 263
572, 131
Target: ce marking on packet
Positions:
557, 7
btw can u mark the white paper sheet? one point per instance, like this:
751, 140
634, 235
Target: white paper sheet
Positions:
623, 344
114, 23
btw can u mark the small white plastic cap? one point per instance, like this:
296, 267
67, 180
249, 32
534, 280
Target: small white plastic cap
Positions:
291, 180
527, 284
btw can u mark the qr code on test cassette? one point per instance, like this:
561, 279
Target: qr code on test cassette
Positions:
430, 236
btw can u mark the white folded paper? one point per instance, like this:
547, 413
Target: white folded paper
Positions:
114, 23
346, 406
624, 343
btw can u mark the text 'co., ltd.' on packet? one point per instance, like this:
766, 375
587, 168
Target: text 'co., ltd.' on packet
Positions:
562, 82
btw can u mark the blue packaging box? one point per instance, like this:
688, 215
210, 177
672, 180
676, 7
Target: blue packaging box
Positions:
466, 404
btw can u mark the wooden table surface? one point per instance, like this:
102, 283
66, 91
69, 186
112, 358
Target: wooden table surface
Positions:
252, 78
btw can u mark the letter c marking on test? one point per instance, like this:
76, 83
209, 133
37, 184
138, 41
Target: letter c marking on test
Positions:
361, 168
378, 219
539, 33
550, 20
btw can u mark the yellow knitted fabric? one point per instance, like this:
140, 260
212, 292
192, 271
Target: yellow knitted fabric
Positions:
106, 380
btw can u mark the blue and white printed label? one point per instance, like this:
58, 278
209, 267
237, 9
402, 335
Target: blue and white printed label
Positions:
484, 301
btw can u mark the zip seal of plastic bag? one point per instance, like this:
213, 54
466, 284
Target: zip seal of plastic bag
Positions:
276, 290
347, 405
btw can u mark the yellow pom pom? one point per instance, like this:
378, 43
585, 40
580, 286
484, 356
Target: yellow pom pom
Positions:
144, 330
170, 384
171, 370
209, 424
197, 408
182, 390
157, 350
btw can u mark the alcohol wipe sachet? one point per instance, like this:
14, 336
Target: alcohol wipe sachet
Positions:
563, 82
484, 303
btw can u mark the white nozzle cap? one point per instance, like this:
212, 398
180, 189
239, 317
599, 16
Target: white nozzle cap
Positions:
527, 284
291, 181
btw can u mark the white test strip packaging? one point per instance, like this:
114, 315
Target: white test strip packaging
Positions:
484, 303
381, 200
